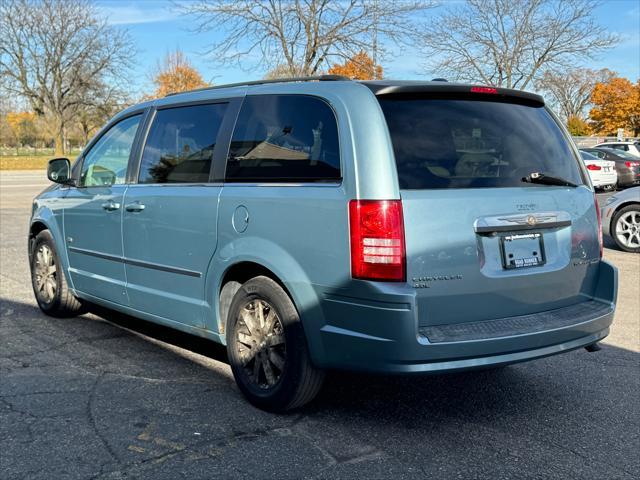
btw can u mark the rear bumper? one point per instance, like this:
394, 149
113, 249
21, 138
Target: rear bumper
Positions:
628, 177
383, 336
604, 179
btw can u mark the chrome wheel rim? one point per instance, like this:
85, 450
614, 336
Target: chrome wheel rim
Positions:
628, 229
260, 343
45, 274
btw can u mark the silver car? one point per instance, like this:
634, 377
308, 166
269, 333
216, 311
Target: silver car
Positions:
621, 219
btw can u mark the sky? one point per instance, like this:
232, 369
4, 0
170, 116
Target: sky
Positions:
157, 27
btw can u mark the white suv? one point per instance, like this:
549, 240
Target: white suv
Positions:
632, 147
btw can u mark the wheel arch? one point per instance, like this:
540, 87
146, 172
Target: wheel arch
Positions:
34, 229
45, 219
615, 212
247, 257
232, 279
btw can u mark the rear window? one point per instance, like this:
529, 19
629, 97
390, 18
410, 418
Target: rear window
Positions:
466, 143
588, 156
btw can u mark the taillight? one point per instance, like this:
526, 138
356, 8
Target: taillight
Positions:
377, 240
593, 167
632, 164
600, 240
489, 90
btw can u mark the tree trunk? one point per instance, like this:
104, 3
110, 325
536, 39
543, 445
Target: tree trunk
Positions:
59, 141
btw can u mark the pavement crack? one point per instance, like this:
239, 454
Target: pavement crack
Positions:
92, 420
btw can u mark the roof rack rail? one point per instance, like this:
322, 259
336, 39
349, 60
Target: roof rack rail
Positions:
319, 78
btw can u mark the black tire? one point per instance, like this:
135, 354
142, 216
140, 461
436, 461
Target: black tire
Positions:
56, 301
298, 381
624, 213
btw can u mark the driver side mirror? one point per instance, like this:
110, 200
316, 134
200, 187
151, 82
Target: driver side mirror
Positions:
59, 171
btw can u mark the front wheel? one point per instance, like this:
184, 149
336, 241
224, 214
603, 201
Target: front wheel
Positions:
49, 283
267, 348
626, 228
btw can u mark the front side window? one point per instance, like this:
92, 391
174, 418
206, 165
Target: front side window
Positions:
106, 163
472, 143
179, 148
284, 138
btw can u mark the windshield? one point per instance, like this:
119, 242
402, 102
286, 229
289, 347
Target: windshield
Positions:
468, 143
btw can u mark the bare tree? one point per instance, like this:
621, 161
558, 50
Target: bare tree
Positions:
571, 91
303, 35
284, 71
509, 42
57, 54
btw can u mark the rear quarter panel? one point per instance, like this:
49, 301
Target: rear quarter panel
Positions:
301, 232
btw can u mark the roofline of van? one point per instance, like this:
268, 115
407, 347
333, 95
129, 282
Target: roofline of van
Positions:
317, 78
389, 87
396, 87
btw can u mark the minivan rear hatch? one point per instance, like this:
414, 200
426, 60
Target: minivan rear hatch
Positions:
499, 218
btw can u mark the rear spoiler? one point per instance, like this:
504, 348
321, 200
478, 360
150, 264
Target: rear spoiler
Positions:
447, 89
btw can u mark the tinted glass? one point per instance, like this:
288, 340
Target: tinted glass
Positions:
284, 138
179, 148
588, 156
596, 153
106, 162
619, 153
466, 143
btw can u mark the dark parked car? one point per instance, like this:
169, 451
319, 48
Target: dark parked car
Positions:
627, 166
630, 147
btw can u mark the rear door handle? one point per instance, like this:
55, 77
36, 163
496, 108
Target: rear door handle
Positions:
134, 207
110, 206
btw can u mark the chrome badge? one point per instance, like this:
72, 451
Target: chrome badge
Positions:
531, 220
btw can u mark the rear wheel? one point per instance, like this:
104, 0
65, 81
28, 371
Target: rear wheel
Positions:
49, 283
625, 228
267, 348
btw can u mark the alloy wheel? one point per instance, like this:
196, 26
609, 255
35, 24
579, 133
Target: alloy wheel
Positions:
45, 272
260, 343
628, 229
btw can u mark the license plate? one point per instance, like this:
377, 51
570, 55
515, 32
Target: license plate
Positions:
522, 250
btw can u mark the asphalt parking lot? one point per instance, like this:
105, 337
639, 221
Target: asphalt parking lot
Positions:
108, 396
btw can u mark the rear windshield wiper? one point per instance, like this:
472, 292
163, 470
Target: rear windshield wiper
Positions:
543, 179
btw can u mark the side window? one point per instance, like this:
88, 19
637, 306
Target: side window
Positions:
179, 148
106, 162
284, 138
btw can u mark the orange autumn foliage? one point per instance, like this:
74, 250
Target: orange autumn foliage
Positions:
176, 74
360, 67
616, 104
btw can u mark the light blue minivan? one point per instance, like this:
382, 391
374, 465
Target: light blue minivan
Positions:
321, 223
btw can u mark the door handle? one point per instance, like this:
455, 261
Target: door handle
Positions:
134, 207
110, 206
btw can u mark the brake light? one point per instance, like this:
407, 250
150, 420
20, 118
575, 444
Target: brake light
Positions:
377, 240
593, 167
489, 90
632, 164
600, 239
